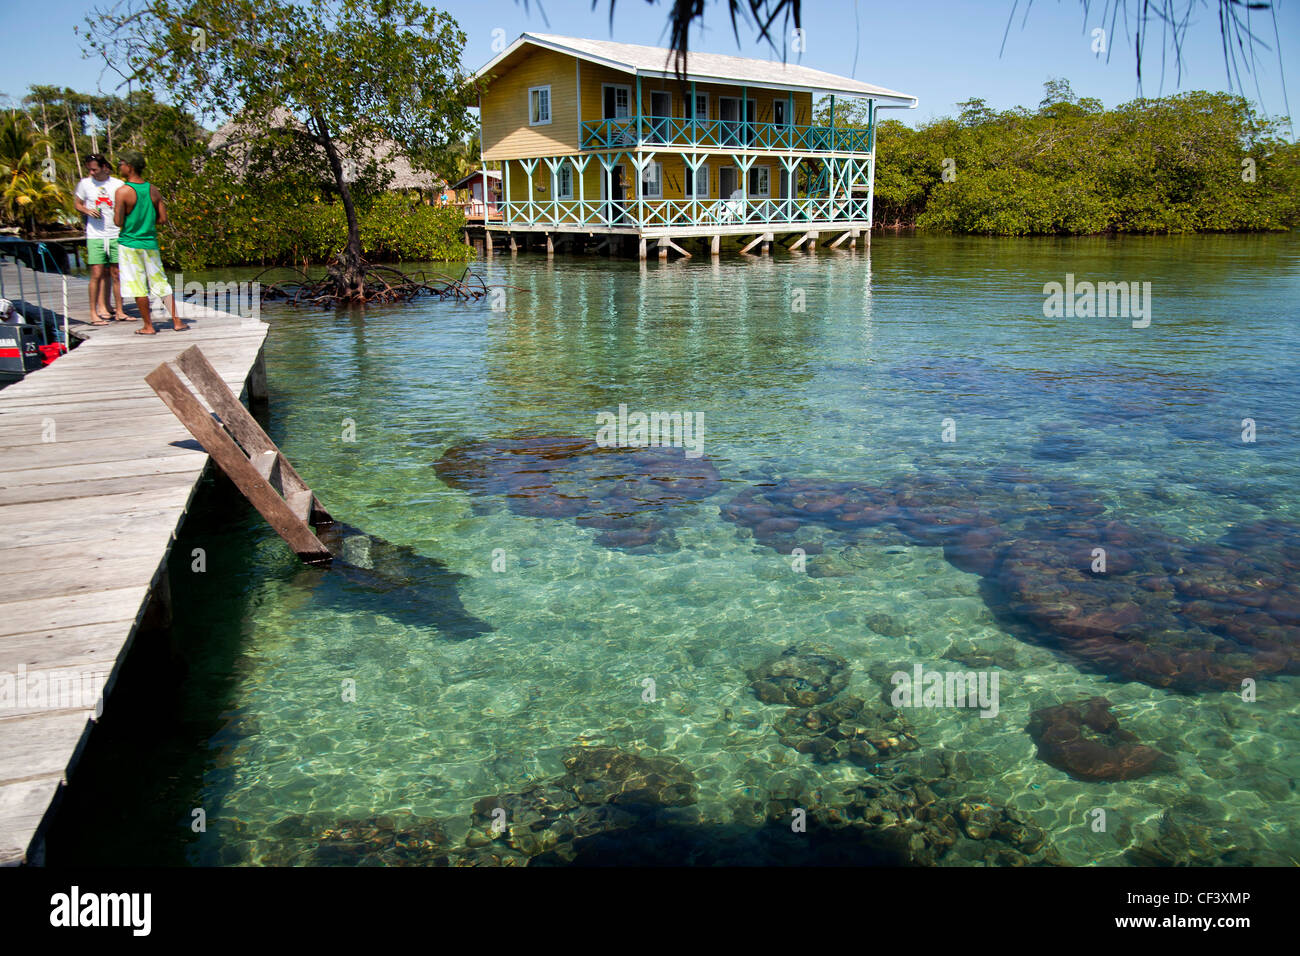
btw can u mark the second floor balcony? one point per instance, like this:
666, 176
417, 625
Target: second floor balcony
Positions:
671, 131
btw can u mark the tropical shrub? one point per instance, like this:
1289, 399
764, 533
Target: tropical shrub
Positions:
1188, 163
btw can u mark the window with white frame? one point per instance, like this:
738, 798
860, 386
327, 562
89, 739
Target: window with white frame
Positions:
616, 101
701, 106
539, 106
652, 181
697, 183
760, 182
563, 180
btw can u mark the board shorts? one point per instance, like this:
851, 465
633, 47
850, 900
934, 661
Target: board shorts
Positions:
101, 252
141, 273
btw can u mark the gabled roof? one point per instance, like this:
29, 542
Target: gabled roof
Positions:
485, 173
711, 67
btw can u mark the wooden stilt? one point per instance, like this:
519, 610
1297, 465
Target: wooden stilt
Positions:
257, 378
715, 245
809, 237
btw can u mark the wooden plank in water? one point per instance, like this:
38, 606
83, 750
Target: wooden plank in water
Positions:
234, 416
238, 421
301, 503
231, 459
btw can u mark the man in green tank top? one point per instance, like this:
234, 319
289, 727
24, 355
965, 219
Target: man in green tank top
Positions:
138, 210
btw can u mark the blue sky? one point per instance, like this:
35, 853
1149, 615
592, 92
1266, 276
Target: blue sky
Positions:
942, 51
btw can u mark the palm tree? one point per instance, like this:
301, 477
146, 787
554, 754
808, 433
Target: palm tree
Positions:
27, 190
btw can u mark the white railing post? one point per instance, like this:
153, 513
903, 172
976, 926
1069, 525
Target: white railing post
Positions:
505, 178
580, 170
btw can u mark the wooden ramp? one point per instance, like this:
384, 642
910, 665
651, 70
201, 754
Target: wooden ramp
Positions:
242, 450
97, 475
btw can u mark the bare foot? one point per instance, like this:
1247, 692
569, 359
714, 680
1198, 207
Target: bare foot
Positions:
146, 331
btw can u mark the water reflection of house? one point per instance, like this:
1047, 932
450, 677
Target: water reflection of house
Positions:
479, 194
598, 137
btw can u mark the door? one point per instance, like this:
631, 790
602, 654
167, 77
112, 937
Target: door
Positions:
613, 196
618, 102
737, 130
616, 105
781, 117
728, 181
729, 115
661, 111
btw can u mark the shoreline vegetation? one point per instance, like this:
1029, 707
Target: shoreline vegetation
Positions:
1189, 163
1192, 162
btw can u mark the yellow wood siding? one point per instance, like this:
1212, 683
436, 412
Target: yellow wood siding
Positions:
594, 77
505, 103
504, 107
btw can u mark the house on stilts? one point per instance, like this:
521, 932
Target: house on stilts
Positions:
603, 140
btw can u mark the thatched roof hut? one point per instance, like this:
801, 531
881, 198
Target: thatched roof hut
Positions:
236, 138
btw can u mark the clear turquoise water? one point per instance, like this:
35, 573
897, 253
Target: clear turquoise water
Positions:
855, 387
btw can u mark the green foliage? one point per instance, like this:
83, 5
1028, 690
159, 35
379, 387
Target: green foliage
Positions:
221, 221
395, 228
1166, 165
372, 70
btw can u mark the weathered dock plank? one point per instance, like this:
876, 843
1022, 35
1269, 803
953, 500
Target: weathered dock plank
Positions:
98, 477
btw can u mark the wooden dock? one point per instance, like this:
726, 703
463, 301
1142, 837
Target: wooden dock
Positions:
96, 475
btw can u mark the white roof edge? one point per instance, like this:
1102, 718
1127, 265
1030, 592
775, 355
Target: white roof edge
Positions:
903, 100
550, 45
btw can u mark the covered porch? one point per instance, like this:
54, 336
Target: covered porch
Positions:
698, 193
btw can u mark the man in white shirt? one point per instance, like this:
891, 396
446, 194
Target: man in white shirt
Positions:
94, 199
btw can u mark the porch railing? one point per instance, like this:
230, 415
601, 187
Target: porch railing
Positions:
660, 213
722, 134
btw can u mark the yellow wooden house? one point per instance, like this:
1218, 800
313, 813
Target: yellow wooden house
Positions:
597, 137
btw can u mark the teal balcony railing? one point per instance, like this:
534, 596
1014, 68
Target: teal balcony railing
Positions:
722, 134
635, 214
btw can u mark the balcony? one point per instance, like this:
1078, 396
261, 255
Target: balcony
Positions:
693, 214
675, 132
